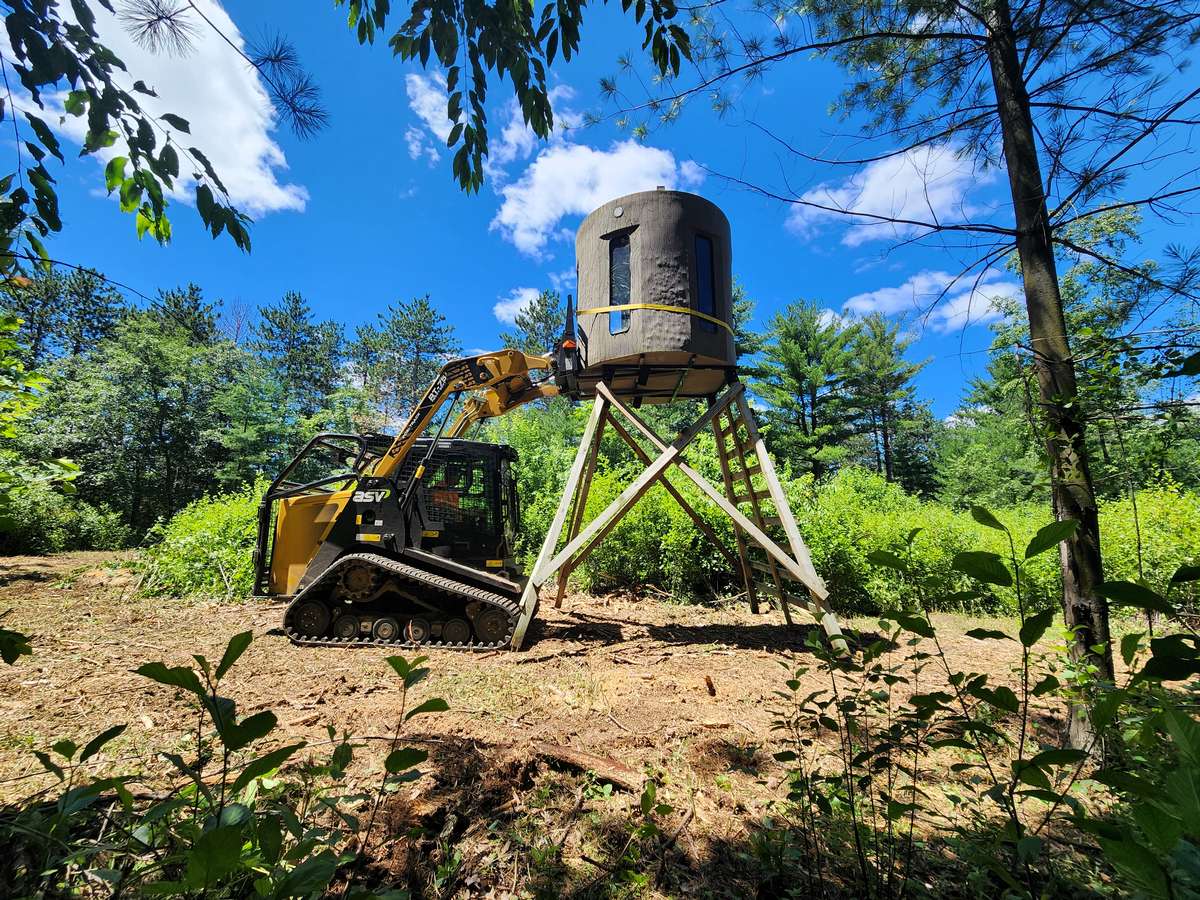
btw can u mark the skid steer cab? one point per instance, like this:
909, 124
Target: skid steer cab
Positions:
420, 556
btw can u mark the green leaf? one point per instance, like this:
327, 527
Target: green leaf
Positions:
648, 795
64, 748
1126, 783
233, 650
1130, 644
432, 705
404, 758
1138, 865
1185, 732
114, 173
1035, 627
1186, 573
45, 135
250, 729
987, 634
270, 838
984, 517
1059, 757
1029, 848
98, 140
1001, 698
400, 665
1045, 686
173, 676
916, 624
95, 744
888, 559
1126, 593
76, 103
312, 876
983, 566
176, 122
215, 854
1050, 536
264, 765
169, 160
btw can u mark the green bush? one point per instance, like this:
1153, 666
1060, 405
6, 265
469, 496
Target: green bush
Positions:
45, 520
844, 520
205, 548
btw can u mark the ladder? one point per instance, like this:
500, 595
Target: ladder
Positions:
751, 484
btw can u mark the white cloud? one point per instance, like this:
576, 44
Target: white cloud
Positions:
573, 179
419, 145
506, 308
564, 280
829, 317
427, 98
516, 140
964, 302
231, 117
927, 184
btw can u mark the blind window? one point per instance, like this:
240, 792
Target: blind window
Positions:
618, 283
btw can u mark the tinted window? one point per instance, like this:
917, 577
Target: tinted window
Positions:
706, 288
618, 283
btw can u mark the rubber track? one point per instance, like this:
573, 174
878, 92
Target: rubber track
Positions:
438, 583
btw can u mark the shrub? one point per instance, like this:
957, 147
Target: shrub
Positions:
206, 547
45, 520
855, 513
247, 821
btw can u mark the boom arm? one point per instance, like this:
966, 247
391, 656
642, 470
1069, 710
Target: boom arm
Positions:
504, 380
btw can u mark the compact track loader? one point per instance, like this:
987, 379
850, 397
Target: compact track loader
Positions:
408, 539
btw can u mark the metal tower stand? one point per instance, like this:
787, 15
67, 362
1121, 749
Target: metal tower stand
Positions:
749, 481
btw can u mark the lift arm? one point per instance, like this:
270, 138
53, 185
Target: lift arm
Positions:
504, 380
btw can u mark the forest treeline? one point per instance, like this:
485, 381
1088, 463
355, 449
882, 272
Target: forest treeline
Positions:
159, 403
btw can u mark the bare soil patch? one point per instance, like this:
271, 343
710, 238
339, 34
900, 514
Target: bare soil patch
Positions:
623, 678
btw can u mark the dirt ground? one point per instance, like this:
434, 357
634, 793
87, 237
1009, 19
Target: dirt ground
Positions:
683, 692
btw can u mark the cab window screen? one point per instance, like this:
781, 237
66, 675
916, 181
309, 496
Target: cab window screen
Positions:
706, 288
618, 283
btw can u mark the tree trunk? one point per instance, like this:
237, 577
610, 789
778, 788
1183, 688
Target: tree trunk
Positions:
885, 426
1084, 611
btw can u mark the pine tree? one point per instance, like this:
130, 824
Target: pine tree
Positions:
407, 349
92, 309
184, 309
62, 314
807, 364
539, 325
881, 386
303, 355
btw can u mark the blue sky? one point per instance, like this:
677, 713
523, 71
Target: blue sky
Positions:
367, 212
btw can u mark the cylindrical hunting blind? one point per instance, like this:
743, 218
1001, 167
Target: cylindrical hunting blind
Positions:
655, 297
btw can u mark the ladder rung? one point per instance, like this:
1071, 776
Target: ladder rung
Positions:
770, 591
759, 494
770, 522
769, 568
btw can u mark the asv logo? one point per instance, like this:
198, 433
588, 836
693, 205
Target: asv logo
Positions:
370, 496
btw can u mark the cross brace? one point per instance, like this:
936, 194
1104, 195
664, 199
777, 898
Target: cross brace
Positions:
742, 460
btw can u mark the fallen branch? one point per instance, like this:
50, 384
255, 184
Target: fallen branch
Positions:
605, 768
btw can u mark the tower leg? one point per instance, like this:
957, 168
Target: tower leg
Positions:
529, 598
580, 506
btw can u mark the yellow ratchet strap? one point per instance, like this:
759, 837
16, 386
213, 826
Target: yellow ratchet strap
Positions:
662, 307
